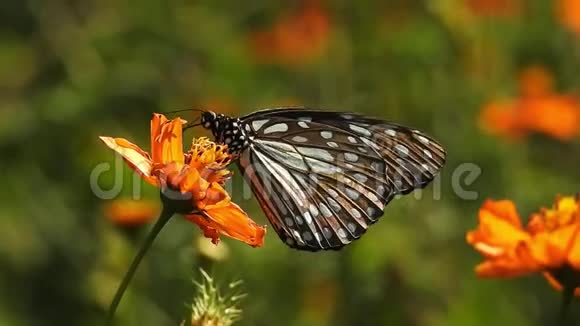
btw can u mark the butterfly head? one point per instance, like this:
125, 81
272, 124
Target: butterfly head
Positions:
208, 119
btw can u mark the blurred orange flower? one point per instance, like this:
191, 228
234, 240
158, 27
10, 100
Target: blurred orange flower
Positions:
538, 109
550, 243
294, 39
568, 14
199, 174
129, 212
494, 7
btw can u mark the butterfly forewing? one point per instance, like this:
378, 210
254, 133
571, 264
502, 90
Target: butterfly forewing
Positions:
323, 177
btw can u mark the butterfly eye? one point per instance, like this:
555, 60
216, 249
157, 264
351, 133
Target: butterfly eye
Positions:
207, 118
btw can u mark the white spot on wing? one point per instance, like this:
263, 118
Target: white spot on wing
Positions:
352, 194
332, 144
352, 139
422, 139
332, 192
391, 132
313, 210
370, 143
303, 124
325, 211
299, 139
279, 127
327, 233
317, 153
373, 197
351, 226
326, 134
360, 130
308, 217
299, 220
427, 153
258, 124
334, 205
322, 167
351, 157
361, 177
404, 151
296, 235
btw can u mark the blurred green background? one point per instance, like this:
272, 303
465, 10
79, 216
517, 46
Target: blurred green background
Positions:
73, 70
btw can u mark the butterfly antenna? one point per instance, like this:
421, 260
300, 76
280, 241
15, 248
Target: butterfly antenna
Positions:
183, 110
192, 124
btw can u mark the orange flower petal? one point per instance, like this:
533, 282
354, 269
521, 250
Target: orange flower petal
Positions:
504, 209
552, 249
231, 221
499, 229
574, 253
502, 268
208, 227
132, 212
135, 157
166, 140
216, 197
500, 118
156, 122
568, 12
195, 184
554, 282
557, 116
513, 262
535, 81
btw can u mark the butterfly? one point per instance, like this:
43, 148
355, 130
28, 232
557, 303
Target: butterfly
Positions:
322, 178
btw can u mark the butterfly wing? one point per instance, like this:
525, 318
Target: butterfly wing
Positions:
323, 177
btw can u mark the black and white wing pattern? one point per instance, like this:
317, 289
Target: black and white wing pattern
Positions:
323, 178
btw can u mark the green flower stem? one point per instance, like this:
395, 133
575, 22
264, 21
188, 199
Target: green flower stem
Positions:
161, 221
567, 295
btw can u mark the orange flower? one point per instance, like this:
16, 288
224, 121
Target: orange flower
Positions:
294, 39
556, 115
198, 175
550, 243
500, 118
131, 212
538, 109
535, 81
568, 12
